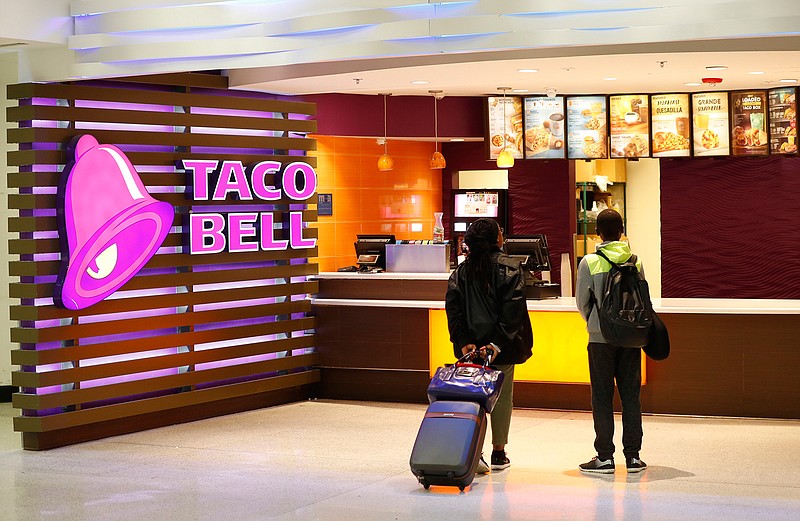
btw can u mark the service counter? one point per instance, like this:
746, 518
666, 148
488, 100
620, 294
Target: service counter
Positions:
380, 335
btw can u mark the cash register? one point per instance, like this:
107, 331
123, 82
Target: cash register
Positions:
370, 253
534, 257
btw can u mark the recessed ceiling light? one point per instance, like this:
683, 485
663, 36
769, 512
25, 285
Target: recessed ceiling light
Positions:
787, 80
716, 68
419, 82
610, 79
520, 90
693, 84
756, 72
527, 70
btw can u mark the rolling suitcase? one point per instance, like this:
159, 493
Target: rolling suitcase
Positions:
449, 444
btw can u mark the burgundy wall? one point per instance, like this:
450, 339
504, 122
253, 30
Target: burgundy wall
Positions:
729, 228
406, 116
541, 196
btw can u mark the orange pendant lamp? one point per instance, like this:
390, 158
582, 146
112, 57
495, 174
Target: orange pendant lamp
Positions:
437, 159
385, 161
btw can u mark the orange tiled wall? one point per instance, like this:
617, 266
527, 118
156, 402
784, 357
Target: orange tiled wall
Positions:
368, 201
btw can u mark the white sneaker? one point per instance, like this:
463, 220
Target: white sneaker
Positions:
482, 468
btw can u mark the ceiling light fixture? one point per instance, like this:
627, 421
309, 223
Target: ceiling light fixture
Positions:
419, 82
716, 68
527, 70
385, 162
693, 84
505, 159
787, 80
610, 79
756, 72
437, 159
711, 81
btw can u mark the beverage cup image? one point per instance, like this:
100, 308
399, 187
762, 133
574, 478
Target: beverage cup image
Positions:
701, 121
557, 124
631, 117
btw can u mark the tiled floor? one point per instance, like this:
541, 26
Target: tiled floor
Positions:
323, 460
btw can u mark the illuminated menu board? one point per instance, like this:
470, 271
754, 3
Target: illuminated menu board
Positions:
630, 125
711, 124
587, 132
544, 128
505, 127
749, 123
783, 121
672, 131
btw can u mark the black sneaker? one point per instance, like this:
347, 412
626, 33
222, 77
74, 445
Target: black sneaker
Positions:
598, 466
635, 464
499, 460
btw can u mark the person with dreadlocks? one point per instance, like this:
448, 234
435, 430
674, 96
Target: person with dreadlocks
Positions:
486, 311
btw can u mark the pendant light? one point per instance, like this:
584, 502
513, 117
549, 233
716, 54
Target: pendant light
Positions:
505, 159
437, 159
385, 162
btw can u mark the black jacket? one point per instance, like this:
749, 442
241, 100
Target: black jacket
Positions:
498, 315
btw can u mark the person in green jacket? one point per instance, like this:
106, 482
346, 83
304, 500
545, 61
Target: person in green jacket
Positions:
607, 362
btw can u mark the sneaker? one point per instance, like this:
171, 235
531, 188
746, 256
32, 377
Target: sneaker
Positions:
482, 468
598, 466
635, 464
499, 460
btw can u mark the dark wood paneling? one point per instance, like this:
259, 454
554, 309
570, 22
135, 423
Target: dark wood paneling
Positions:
72, 435
173, 308
382, 289
374, 385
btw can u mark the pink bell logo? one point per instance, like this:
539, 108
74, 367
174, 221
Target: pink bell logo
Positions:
111, 223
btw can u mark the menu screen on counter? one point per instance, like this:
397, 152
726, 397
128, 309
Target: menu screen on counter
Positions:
505, 128
711, 124
783, 121
749, 123
630, 125
476, 204
587, 133
672, 131
544, 128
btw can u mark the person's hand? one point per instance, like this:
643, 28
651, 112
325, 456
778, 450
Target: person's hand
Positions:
469, 348
489, 350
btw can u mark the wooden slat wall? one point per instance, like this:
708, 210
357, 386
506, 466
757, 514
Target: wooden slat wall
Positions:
142, 358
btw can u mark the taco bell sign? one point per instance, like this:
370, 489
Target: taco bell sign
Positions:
247, 231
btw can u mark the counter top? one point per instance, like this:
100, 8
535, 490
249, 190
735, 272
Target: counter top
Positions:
386, 275
667, 305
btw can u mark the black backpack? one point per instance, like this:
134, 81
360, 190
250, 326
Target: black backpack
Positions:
625, 310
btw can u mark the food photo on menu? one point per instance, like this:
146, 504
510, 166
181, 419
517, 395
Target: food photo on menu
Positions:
630, 126
711, 124
505, 126
544, 127
750, 123
587, 133
783, 120
670, 125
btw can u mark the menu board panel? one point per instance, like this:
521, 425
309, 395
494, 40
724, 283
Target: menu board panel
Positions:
630, 125
671, 126
711, 124
783, 121
750, 123
544, 128
587, 132
505, 127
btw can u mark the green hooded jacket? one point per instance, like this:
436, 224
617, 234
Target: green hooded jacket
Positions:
592, 274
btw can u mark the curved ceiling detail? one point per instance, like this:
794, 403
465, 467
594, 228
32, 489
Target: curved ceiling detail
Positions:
279, 40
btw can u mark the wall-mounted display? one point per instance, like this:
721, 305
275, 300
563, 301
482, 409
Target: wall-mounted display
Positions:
544, 128
749, 123
783, 121
671, 125
711, 124
505, 127
587, 129
630, 125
